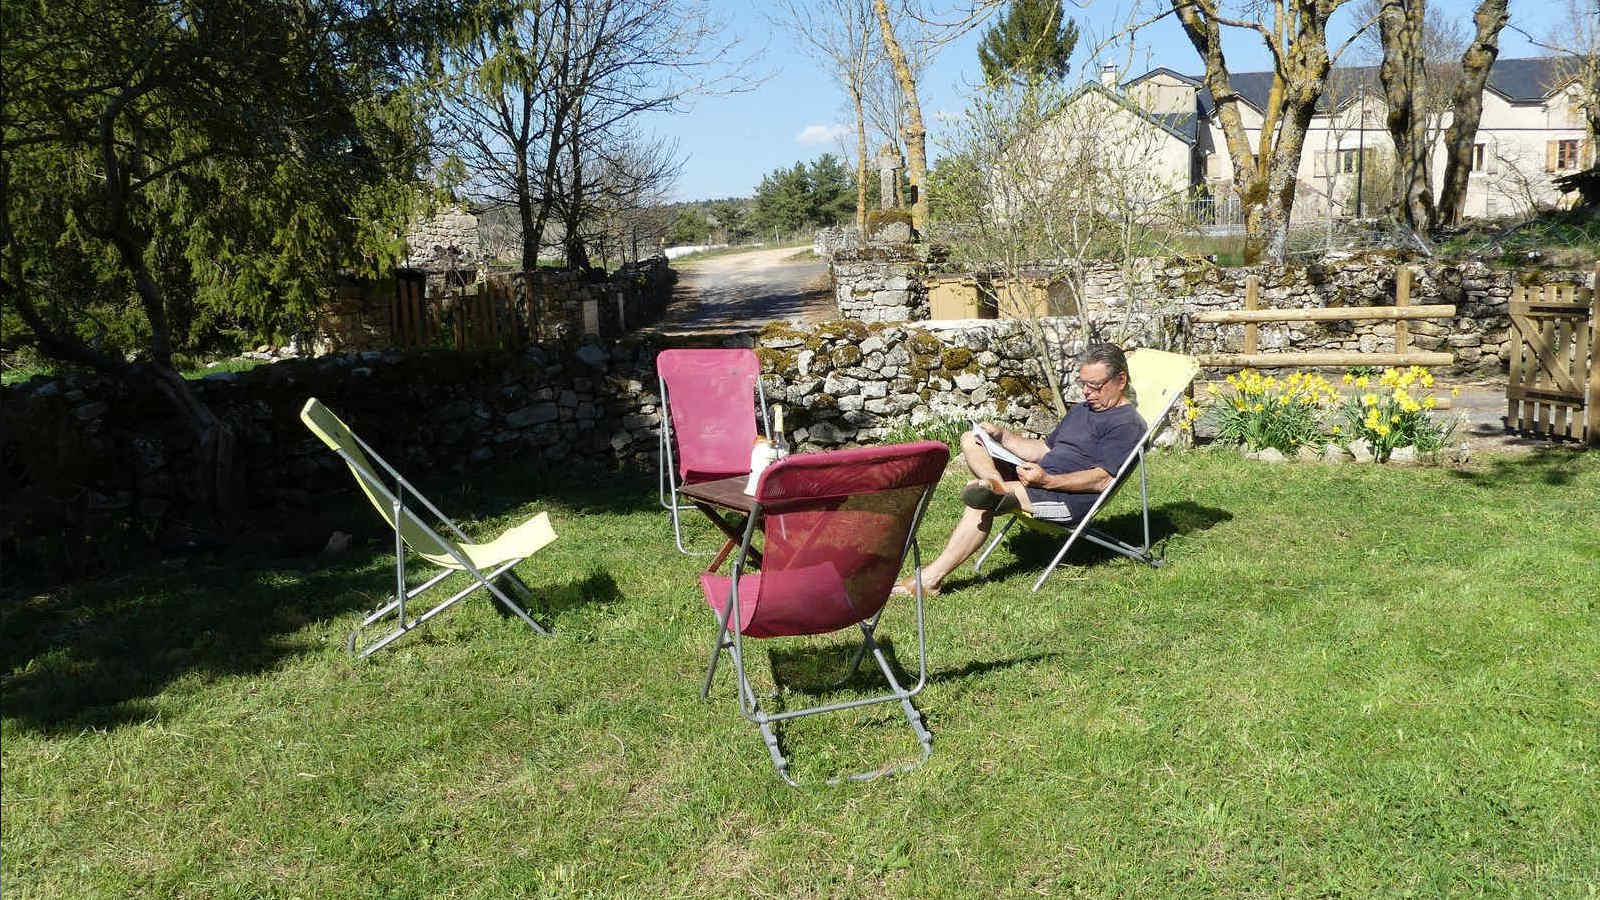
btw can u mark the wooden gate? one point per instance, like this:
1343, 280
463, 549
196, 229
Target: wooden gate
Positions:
1554, 384
408, 319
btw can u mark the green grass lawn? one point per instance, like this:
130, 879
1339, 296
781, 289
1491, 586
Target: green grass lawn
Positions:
1348, 681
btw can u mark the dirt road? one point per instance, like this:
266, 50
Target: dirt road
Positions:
740, 292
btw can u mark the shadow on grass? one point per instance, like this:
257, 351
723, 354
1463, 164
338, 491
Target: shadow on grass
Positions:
89, 656
1033, 550
1550, 466
820, 670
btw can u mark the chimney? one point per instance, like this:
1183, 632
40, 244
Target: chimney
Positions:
1108, 76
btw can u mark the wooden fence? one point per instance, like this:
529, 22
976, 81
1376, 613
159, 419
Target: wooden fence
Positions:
1553, 389
479, 317
1252, 316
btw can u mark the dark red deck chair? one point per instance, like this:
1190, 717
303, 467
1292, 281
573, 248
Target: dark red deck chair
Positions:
710, 400
838, 527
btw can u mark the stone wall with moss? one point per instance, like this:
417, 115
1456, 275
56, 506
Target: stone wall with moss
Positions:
86, 455
852, 382
875, 287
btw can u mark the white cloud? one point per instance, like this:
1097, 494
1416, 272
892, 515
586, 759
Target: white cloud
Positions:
812, 135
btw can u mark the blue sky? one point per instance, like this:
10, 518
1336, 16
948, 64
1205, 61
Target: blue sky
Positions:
731, 141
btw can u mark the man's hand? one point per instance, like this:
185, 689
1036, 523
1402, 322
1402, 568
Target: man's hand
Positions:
1031, 474
995, 431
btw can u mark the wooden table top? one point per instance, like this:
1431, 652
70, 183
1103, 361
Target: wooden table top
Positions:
727, 493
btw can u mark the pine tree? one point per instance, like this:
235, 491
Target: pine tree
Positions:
1031, 43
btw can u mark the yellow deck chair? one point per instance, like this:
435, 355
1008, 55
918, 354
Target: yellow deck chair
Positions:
484, 562
1158, 379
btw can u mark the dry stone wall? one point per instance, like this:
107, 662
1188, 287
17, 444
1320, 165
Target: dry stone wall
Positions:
881, 284
87, 453
873, 287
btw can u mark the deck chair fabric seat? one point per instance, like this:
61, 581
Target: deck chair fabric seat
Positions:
1158, 379
711, 402
483, 562
838, 527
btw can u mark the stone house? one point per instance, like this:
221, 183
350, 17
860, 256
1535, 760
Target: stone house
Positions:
1532, 130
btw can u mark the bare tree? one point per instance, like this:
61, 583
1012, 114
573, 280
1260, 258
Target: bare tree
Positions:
530, 88
1467, 109
841, 34
1295, 34
1040, 185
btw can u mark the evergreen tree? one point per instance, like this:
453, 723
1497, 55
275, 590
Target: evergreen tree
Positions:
833, 191
789, 200
1031, 43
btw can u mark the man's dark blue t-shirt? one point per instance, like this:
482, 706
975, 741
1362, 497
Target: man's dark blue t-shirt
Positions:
1086, 439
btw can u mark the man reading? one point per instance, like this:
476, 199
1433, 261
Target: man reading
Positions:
1061, 475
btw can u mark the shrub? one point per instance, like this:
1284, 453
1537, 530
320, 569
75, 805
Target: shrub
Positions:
1392, 416
1263, 411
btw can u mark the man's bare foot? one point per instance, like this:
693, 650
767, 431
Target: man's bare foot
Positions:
907, 587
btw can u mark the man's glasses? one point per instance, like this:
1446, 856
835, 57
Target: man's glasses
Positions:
1095, 385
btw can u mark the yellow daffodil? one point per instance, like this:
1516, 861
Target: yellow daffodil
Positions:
1361, 381
1382, 430
1429, 402
1455, 392
1369, 399
1348, 378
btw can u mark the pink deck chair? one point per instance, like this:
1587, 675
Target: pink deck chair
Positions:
709, 403
838, 528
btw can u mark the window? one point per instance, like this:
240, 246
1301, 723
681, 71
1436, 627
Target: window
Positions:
1350, 160
1566, 154
1480, 159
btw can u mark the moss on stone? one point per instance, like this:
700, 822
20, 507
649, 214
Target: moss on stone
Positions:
782, 330
846, 355
822, 401
777, 361
957, 359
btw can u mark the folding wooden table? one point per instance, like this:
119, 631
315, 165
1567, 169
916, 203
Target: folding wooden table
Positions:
711, 498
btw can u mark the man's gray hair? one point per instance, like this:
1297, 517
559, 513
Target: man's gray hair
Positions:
1109, 354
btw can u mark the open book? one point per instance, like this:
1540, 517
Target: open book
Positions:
996, 451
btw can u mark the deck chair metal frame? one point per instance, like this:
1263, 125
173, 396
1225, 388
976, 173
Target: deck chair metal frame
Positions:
668, 484
457, 560
732, 640
1083, 528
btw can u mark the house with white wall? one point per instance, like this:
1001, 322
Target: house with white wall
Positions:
1532, 131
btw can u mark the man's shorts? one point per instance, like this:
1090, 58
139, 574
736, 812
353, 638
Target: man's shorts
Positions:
1051, 505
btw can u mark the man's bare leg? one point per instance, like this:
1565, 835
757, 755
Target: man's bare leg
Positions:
968, 537
978, 460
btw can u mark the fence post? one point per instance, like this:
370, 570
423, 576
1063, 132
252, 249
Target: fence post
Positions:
1402, 297
1252, 299
1591, 403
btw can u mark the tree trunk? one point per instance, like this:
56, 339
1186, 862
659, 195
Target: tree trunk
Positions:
1284, 168
861, 166
916, 136
1204, 34
1402, 74
1490, 17
532, 222
577, 254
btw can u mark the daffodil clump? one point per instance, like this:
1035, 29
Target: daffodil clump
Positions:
1392, 410
1263, 411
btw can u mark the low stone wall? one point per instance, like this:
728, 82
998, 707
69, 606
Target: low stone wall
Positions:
880, 287
87, 453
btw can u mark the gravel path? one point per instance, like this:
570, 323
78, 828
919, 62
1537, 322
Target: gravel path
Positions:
738, 293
